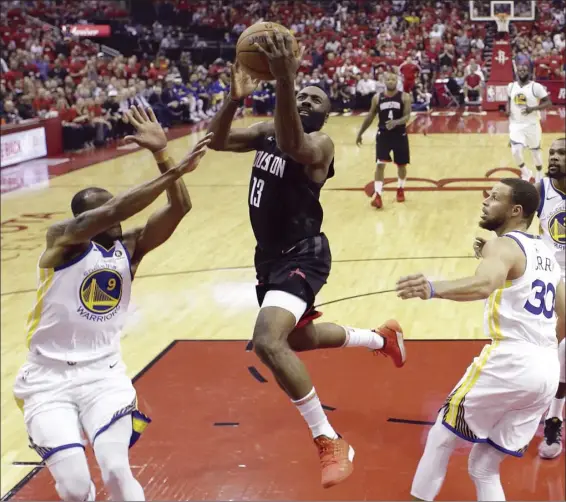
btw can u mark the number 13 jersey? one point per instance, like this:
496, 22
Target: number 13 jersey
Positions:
523, 310
283, 201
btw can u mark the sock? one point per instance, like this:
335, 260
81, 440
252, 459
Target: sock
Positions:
525, 172
311, 410
556, 408
356, 337
401, 182
538, 174
378, 186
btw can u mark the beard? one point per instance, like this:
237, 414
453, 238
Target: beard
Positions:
492, 224
555, 175
312, 122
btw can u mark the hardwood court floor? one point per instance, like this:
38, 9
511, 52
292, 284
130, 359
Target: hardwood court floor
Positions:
200, 285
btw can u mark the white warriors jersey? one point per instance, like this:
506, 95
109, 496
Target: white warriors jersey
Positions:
521, 97
523, 310
80, 306
552, 216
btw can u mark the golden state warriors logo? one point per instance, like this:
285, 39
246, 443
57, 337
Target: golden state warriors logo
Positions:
101, 291
557, 227
520, 99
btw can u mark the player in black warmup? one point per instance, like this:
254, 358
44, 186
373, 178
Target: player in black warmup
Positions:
394, 110
293, 160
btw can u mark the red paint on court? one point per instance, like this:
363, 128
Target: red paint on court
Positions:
270, 455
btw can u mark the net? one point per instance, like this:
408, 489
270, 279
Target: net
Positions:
502, 21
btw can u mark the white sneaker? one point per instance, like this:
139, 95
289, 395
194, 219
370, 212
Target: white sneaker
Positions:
551, 447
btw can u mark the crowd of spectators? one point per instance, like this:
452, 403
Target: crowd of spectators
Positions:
350, 46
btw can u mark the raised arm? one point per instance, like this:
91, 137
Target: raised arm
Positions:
225, 138
316, 149
499, 257
369, 118
85, 226
163, 222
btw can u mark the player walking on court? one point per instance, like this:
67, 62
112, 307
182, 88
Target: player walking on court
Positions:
521, 281
293, 160
74, 379
525, 98
394, 110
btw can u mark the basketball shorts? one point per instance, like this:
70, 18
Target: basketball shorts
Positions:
387, 142
503, 395
302, 271
528, 135
63, 403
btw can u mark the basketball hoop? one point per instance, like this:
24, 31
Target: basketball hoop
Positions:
502, 21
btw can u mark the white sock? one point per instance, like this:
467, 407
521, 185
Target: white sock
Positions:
356, 337
526, 173
556, 408
378, 186
538, 175
401, 182
311, 410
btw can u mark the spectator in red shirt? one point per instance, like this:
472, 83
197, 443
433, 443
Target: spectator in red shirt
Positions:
410, 72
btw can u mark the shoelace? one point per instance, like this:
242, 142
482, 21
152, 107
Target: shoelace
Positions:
328, 450
553, 432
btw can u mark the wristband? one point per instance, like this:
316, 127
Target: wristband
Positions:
239, 102
431, 290
161, 155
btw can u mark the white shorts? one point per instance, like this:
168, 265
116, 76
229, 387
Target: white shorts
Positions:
61, 401
503, 395
528, 135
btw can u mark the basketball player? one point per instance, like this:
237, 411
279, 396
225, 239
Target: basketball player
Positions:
521, 281
74, 379
525, 99
394, 109
552, 216
293, 160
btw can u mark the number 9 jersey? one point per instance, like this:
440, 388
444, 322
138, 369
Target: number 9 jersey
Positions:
523, 310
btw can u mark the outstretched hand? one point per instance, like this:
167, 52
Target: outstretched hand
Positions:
150, 134
191, 161
241, 84
414, 286
279, 52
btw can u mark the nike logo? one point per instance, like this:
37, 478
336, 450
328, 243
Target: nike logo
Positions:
112, 365
550, 198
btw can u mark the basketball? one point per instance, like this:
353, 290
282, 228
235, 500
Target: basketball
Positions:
253, 62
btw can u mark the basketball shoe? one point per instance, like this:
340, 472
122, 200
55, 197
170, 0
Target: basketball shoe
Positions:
377, 202
336, 457
394, 343
400, 195
552, 444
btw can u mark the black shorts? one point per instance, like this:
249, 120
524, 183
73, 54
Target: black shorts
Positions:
301, 271
396, 142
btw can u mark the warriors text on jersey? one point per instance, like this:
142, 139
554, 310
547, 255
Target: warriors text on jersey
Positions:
523, 310
390, 108
80, 306
552, 216
283, 201
521, 97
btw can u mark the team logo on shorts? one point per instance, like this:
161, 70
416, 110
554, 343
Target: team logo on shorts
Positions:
557, 227
520, 99
101, 291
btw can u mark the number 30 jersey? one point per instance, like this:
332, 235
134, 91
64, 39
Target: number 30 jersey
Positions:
523, 310
80, 306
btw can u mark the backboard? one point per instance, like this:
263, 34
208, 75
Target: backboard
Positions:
517, 10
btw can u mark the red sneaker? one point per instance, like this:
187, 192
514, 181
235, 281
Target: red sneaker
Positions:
377, 202
400, 195
394, 342
336, 457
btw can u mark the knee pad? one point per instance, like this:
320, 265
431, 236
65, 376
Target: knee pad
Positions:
517, 152
73, 487
537, 156
483, 462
